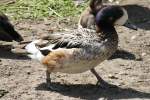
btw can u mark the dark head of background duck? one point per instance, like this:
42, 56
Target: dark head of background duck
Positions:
107, 17
7, 31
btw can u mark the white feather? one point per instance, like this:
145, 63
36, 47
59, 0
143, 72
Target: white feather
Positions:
31, 48
34, 51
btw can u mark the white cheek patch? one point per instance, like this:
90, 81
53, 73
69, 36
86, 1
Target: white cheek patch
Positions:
123, 19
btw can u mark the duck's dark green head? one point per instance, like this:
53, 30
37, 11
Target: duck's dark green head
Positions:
111, 16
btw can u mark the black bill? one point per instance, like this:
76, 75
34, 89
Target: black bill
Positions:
130, 25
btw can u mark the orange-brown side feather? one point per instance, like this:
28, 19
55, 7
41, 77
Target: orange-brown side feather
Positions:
55, 59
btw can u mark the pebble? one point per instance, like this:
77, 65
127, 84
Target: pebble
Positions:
19, 51
46, 21
122, 83
138, 58
143, 54
123, 73
44, 36
78, 2
122, 65
43, 43
28, 73
140, 81
133, 37
118, 84
128, 68
102, 98
112, 76
111, 0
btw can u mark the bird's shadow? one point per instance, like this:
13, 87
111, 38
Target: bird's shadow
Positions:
93, 92
139, 15
7, 54
123, 54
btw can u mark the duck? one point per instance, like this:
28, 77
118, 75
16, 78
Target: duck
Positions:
76, 51
87, 17
7, 31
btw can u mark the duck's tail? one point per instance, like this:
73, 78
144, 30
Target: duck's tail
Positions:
33, 51
37, 53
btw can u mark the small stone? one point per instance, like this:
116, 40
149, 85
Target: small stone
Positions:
46, 21
8, 73
102, 98
111, 0
21, 46
118, 84
112, 76
28, 73
117, 2
122, 65
143, 54
43, 43
78, 2
138, 58
140, 81
133, 37
44, 36
19, 51
128, 68
122, 83
123, 73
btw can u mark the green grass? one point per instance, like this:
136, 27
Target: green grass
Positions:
39, 9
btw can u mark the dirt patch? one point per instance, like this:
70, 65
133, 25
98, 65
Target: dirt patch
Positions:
129, 68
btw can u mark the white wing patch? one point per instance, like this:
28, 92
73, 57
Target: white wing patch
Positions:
31, 48
34, 51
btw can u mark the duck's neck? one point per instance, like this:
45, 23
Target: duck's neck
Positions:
107, 29
107, 32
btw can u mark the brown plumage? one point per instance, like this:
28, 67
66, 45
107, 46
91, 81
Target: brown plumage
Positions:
7, 31
55, 60
87, 18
